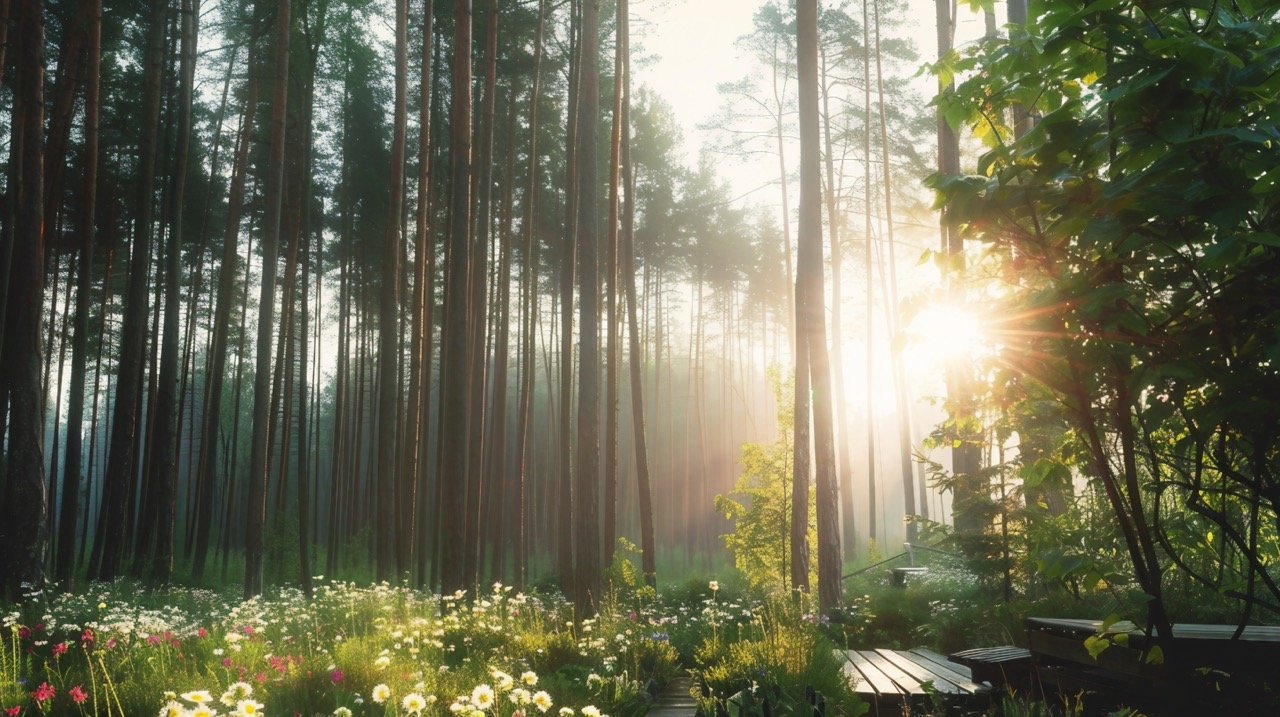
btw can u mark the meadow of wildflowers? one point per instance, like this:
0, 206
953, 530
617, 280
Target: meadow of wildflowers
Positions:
348, 650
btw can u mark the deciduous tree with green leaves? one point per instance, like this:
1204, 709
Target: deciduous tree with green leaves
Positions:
1136, 226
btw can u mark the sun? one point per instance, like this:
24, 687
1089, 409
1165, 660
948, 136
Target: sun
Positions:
941, 333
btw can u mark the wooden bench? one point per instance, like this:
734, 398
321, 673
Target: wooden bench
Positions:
1197, 665
890, 679
1003, 665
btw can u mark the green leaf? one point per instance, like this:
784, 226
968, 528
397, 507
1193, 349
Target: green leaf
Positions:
1155, 656
1267, 238
1096, 645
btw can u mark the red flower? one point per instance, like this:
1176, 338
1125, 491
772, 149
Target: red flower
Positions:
60, 649
14, 711
44, 692
202, 633
77, 695
336, 677
24, 632
86, 637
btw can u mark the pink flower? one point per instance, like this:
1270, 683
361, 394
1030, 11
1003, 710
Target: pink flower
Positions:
202, 633
247, 630
86, 637
226, 662
44, 692
24, 632
60, 649
14, 711
336, 677
111, 643
261, 678
77, 695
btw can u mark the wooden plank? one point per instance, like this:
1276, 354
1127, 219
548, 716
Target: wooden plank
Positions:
1193, 631
909, 684
991, 654
955, 673
921, 673
882, 685
1124, 660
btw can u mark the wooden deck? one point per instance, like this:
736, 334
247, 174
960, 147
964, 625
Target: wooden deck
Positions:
889, 679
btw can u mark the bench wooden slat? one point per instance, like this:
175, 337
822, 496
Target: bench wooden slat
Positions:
991, 654
941, 683
909, 684
938, 664
881, 684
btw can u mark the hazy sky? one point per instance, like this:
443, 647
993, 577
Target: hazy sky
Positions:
689, 48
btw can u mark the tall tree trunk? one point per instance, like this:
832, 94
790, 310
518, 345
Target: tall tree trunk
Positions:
906, 462
61, 108
259, 456
780, 136
812, 314
648, 543
195, 473
587, 571
837, 323
530, 283
217, 360
565, 509
500, 491
164, 467
388, 318
66, 560
423, 301
121, 465
613, 350
872, 503
24, 534
455, 364
477, 310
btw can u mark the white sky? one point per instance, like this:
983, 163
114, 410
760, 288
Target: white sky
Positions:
689, 49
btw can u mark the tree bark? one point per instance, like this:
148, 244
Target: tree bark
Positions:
66, 559
648, 543
812, 313
164, 466
217, 360
423, 301
389, 313
614, 349
259, 455
848, 533
477, 309
565, 509
587, 571
24, 534
455, 364
121, 464
872, 502
530, 282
